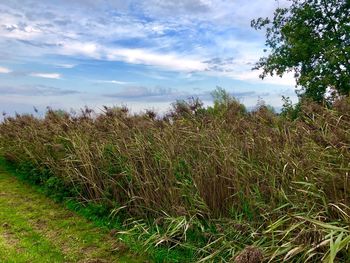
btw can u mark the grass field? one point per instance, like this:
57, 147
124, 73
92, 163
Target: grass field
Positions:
36, 229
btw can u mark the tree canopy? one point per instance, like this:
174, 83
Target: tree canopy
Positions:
312, 39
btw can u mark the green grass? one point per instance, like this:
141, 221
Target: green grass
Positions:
35, 229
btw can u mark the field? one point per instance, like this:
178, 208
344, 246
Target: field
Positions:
35, 229
216, 184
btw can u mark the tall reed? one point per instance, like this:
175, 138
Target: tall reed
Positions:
237, 179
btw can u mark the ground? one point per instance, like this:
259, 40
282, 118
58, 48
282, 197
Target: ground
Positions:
33, 228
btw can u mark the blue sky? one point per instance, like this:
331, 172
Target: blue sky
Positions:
143, 54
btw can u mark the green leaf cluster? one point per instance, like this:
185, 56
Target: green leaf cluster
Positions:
312, 39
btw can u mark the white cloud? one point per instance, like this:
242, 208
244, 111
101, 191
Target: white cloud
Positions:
114, 82
95, 34
166, 61
5, 70
66, 65
221, 12
89, 49
287, 79
22, 33
133, 56
253, 76
46, 75
34, 90
92, 33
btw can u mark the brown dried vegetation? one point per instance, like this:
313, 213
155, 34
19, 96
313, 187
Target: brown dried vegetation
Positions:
220, 163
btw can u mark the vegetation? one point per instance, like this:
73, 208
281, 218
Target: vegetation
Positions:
35, 229
312, 39
216, 184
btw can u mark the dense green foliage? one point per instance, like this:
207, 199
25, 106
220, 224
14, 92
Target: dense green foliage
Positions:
312, 39
218, 183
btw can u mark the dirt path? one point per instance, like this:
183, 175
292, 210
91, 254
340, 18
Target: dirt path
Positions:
35, 229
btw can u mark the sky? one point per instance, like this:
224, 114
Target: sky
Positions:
143, 54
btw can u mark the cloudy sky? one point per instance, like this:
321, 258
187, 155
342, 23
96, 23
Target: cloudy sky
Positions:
144, 54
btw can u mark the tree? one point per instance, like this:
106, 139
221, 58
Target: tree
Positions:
312, 39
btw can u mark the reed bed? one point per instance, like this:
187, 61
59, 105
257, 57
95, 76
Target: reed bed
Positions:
225, 184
